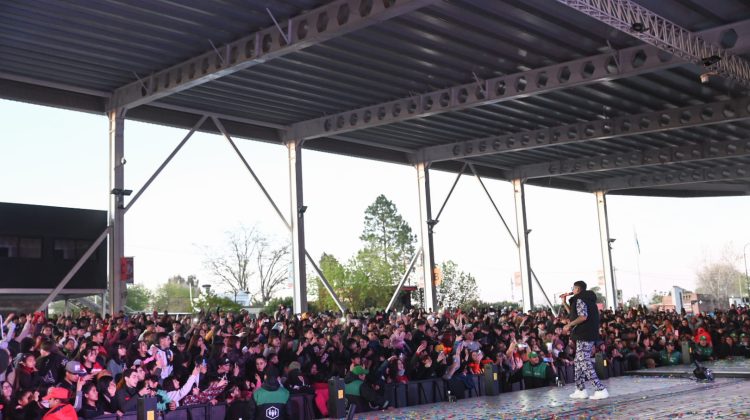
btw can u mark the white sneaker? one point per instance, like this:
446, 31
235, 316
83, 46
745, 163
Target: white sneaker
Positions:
600, 395
580, 394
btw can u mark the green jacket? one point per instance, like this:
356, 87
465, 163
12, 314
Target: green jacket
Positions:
352, 388
263, 396
704, 351
673, 359
538, 371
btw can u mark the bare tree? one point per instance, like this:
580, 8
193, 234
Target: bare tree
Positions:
273, 269
251, 263
232, 267
721, 278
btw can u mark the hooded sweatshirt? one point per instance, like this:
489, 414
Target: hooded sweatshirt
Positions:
589, 329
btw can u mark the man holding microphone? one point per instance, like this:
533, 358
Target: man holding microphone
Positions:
584, 325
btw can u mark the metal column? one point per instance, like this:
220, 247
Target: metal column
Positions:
523, 245
426, 223
116, 206
297, 218
610, 290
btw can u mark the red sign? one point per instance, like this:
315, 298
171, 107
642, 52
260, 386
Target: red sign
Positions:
126, 269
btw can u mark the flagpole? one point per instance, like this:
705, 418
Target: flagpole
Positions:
638, 265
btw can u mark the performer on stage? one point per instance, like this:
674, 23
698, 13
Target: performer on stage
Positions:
584, 324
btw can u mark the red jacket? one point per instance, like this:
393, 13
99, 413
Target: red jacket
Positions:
61, 412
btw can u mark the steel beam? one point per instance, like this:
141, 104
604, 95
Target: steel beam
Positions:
297, 216
226, 135
76, 267
636, 158
610, 290
426, 224
116, 207
164, 164
593, 69
512, 237
674, 177
653, 29
627, 125
403, 279
523, 245
334, 19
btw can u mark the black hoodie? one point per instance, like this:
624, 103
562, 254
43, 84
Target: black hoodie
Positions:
589, 329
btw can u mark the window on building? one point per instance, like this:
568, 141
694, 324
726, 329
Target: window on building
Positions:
30, 248
8, 246
65, 249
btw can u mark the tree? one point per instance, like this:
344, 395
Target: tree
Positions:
457, 288
599, 296
250, 263
371, 282
139, 297
209, 303
387, 235
658, 297
336, 275
273, 268
173, 297
721, 280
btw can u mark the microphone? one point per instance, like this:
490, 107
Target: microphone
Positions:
566, 294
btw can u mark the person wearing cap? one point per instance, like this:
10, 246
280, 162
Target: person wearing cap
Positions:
75, 378
271, 400
535, 373
704, 350
358, 392
59, 409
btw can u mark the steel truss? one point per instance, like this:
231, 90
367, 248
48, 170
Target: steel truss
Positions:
666, 35
628, 125
674, 177
597, 68
637, 158
326, 22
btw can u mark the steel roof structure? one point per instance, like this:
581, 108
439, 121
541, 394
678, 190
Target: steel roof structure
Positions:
640, 97
426, 77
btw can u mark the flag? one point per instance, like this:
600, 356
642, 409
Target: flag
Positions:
637, 244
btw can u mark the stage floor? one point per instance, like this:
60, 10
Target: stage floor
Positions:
630, 397
731, 368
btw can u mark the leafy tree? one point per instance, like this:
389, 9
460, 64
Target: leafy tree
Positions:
457, 288
172, 297
336, 275
209, 303
138, 298
250, 263
387, 235
600, 298
273, 304
371, 280
657, 298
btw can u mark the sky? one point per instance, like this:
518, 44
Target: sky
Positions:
57, 157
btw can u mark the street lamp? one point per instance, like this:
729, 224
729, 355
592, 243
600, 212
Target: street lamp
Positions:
207, 287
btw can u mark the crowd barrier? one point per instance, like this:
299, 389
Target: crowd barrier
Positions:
427, 391
301, 406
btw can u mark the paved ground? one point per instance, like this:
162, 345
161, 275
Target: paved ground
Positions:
734, 368
631, 397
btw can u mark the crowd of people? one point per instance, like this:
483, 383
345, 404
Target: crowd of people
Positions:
63, 366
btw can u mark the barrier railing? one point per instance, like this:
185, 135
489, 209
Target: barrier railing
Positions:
301, 408
426, 391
